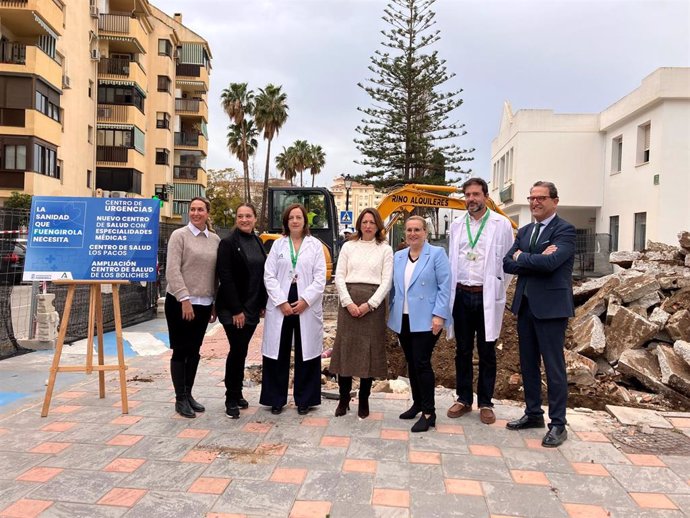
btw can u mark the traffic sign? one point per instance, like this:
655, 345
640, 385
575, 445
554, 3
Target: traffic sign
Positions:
346, 217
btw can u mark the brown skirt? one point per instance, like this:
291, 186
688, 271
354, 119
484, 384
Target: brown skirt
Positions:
359, 348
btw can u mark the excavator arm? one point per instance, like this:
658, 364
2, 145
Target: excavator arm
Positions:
410, 196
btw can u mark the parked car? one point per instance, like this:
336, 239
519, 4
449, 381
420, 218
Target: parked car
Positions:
12, 255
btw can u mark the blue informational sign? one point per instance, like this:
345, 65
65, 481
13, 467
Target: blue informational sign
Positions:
92, 239
346, 217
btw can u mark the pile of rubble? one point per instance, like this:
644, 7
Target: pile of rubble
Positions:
632, 328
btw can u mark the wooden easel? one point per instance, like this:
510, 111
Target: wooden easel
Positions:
95, 318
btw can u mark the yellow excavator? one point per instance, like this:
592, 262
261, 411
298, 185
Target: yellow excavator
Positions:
323, 217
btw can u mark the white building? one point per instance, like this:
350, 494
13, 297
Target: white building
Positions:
361, 196
624, 172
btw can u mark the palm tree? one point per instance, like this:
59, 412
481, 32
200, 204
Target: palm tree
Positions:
242, 143
271, 114
238, 101
300, 158
317, 159
283, 164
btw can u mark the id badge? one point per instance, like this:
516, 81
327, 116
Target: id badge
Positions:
471, 256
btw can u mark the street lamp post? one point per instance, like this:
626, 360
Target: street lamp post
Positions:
348, 185
445, 221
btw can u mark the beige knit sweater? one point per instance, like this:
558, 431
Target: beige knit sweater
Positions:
191, 265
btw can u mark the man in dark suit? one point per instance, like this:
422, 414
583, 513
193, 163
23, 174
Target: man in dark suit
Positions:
542, 257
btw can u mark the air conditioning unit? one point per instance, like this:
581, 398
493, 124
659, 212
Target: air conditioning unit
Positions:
65, 82
131, 195
98, 193
106, 194
94, 11
118, 194
95, 54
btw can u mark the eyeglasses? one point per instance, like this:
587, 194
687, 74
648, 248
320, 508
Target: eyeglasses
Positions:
540, 199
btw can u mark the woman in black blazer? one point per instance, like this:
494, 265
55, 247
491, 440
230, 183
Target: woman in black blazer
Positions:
241, 299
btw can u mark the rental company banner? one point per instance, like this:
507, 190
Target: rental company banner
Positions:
92, 239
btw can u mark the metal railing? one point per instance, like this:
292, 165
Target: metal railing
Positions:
114, 23
188, 70
186, 139
13, 52
112, 112
14, 3
117, 154
187, 105
181, 172
114, 66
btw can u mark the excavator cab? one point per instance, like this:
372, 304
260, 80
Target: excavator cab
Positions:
321, 215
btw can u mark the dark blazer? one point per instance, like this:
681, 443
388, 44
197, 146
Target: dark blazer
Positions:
233, 274
547, 278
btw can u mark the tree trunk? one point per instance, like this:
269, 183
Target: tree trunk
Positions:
301, 178
313, 176
264, 194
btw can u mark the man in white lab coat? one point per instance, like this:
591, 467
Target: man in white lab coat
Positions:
479, 238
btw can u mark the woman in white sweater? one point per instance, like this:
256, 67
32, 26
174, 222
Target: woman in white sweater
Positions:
363, 278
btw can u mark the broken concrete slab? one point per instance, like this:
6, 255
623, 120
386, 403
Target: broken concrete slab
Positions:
596, 305
589, 337
659, 317
674, 371
678, 325
647, 301
643, 366
623, 258
682, 349
627, 331
674, 281
592, 286
679, 300
635, 288
638, 417
580, 370
684, 239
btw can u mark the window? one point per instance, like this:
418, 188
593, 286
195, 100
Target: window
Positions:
113, 137
644, 133
162, 156
44, 106
89, 134
15, 158
108, 94
162, 120
90, 89
45, 161
640, 231
614, 222
89, 178
616, 154
164, 48
163, 84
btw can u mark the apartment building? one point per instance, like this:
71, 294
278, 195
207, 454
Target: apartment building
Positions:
361, 196
622, 174
102, 98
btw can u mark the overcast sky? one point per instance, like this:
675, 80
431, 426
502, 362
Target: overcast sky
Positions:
574, 56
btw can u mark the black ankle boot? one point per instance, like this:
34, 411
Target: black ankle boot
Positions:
242, 403
363, 409
410, 413
183, 407
196, 406
425, 423
343, 406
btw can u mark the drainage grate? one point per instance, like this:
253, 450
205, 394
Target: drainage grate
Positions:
659, 442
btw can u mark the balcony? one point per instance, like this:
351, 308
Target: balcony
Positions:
181, 172
119, 68
187, 105
188, 70
12, 117
120, 113
16, 57
112, 154
39, 125
119, 26
506, 194
186, 139
20, 14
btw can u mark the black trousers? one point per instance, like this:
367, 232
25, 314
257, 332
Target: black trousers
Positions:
234, 364
276, 373
418, 348
468, 321
186, 337
543, 339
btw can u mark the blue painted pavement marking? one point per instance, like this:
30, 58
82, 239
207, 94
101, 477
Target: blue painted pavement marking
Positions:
10, 397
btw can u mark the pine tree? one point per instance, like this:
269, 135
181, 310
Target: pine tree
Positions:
407, 131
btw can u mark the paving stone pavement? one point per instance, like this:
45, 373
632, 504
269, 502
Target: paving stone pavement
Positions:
86, 459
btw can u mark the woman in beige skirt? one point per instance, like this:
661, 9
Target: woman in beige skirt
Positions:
363, 278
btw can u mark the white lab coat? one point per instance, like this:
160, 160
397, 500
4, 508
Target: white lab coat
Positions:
500, 238
311, 281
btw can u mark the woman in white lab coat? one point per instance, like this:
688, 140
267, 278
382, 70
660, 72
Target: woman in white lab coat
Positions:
295, 277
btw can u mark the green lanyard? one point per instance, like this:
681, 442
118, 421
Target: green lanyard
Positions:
473, 242
293, 255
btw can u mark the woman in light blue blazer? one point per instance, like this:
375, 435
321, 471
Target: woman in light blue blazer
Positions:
418, 311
